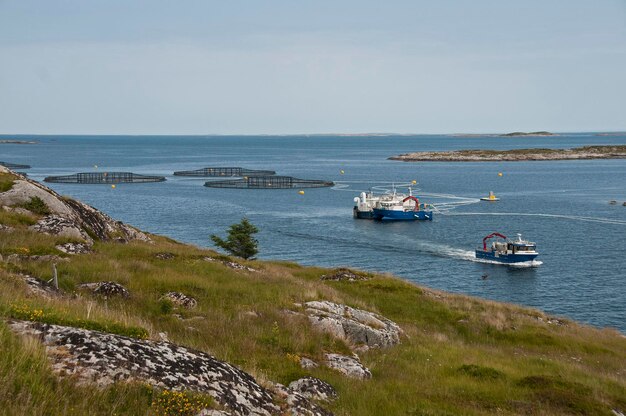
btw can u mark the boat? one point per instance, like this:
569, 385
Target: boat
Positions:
390, 207
507, 251
364, 205
490, 198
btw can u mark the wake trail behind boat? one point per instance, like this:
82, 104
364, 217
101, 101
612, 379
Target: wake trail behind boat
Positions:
525, 214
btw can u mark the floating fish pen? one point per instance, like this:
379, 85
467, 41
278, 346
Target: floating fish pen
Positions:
14, 165
104, 177
268, 182
239, 172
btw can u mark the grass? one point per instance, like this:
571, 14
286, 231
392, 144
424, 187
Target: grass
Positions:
458, 355
6, 182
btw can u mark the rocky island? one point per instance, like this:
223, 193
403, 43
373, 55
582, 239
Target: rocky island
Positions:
12, 141
586, 152
143, 324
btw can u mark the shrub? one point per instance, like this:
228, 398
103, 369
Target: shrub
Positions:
6, 182
240, 241
36, 206
479, 372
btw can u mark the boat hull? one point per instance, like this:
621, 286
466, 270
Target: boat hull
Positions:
392, 215
363, 215
505, 258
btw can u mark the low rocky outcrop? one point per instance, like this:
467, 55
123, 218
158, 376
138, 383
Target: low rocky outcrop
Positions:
16, 258
74, 248
164, 256
358, 327
102, 359
106, 289
61, 226
314, 388
348, 366
40, 287
308, 363
343, 274
180, 299
297, 404
232, 265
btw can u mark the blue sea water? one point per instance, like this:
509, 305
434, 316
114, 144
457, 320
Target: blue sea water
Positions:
561, 205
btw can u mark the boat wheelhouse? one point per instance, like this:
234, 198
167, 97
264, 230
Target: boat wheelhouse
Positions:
506, 250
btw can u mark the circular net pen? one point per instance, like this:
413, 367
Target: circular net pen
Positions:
14, 165
269, 182
104, 178
227, 171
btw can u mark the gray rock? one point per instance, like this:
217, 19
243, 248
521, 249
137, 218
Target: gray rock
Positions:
349, 366
232, 265
164, 256
40, 287
102, 359
308, 363
297, 404
314, 388
23, 257
213, 412
356, 326
106, 289
180, 299
74, 248
343, 274
61, 226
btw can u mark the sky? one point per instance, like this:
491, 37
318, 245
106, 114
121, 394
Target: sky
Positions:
304, 67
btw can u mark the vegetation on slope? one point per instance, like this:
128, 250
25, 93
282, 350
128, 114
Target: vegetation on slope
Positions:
458, 355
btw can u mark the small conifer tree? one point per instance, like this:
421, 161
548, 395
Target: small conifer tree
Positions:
240, 241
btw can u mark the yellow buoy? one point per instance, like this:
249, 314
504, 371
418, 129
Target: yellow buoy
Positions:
414, 182
112, 186
499, 173
301, 192
341, 171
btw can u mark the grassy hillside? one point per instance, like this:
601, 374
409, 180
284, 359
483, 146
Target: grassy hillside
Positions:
458, 355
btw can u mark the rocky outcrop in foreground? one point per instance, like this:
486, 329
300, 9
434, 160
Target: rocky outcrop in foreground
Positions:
587, 152
95, 357
360, 328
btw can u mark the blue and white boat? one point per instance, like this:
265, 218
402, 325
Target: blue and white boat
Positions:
507, 251
391, 207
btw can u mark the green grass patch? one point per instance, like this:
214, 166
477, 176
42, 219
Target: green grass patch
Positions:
6, 182
480, 372
36, 205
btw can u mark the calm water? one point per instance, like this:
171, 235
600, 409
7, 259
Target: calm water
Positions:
583, 275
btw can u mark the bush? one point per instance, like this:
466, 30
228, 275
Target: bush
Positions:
36, 206
240, 241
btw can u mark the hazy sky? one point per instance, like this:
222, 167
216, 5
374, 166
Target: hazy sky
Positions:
263, 67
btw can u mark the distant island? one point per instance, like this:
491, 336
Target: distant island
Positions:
18, 142
513, 134
586, 152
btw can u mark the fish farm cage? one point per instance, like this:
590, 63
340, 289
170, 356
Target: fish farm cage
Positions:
240, 172
104, 177
268, 182
14, 165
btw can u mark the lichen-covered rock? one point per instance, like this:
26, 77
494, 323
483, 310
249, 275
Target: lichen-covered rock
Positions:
61, 226
297, 404
356, 326
102, 359
314, 388
74, 248
40, 287
308, 363
213, 412
349, 366
343, 274
164, 256
106, 289
180, 299
13, 258
233, 265
6, 228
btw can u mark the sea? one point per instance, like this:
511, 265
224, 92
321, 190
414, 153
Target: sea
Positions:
563, 206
